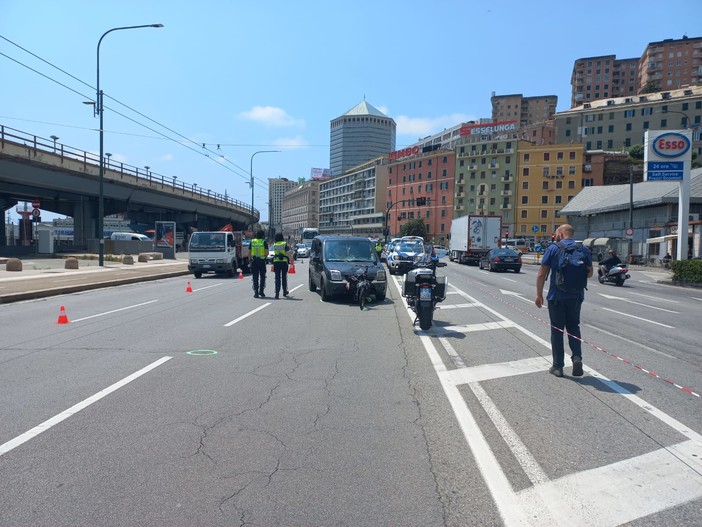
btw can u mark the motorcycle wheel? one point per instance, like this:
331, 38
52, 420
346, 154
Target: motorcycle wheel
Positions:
619, 282
425, 312
601, 279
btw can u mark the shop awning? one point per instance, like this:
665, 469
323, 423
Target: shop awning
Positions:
601, 241
587, 242
661, 239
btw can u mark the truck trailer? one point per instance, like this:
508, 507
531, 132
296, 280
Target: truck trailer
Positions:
472, 236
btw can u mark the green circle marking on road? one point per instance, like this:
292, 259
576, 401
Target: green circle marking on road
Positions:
201, 353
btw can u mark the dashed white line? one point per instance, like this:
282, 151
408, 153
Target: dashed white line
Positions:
115, 311
638, 318
43, 427
242, 317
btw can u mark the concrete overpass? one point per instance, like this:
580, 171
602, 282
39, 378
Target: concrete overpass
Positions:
66, 181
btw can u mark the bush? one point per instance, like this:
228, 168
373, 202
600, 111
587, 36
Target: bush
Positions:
689, 271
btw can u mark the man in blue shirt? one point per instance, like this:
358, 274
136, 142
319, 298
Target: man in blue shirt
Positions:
563, 307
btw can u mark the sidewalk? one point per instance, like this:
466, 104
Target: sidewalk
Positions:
42, 277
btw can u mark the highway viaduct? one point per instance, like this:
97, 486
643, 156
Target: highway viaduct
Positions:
66, 181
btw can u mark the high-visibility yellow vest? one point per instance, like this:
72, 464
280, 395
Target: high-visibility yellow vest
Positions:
258, 250
279, 252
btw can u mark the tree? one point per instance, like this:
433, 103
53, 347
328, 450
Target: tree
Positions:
649, 88
413, 228
636, 152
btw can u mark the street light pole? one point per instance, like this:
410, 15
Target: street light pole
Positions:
99, 109
251, 181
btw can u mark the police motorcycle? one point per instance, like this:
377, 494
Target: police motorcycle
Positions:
617, 274
422, 288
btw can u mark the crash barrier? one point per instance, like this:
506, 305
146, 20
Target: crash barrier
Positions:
128, 259
71, 263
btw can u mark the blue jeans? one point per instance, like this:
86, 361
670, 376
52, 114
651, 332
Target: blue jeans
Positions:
564, 314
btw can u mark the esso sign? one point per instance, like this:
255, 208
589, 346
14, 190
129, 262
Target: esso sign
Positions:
671, 145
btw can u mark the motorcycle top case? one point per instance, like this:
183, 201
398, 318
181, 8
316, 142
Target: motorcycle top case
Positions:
408, 286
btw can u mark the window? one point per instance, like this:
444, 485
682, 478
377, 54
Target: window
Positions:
525, 171
443, 173
544, 185
523, 214
571, 184
526, 158
559, 184
571, 155
629, 113
545, 171
646, 111
628, 127
571, 170
558, 200
559, 156
525, 200
525, 185
544, 200
610, 128
544, 213
547, 156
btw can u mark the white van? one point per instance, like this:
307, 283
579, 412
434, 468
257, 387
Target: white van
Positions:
129, 236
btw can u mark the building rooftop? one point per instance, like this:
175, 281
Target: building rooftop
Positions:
641, 98
593, 200
365, 108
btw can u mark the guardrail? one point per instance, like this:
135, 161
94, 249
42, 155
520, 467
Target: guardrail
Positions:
49, 146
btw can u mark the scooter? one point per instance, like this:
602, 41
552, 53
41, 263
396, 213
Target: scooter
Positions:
423, 289
359, 286
617, 275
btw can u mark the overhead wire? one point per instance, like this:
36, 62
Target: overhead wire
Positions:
245, 174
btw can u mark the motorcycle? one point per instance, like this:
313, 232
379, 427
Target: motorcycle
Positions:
359, 286
423, 289
617, 274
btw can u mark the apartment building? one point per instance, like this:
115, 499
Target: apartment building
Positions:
614, 124
549, 176
486, 164
277, 187
415, 174
671, 64
603, 77
359, 135
525, 110
352, 203
300, 209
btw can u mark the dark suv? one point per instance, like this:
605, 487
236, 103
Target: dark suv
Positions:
333, 258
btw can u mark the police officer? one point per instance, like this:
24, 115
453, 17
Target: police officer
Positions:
280, 264
259, 250
378, 248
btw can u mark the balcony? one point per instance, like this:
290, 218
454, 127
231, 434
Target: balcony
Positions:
494, 165
506, 193
506, 206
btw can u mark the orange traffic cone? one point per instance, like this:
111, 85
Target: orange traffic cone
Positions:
62, 319
241, 275
291, 269
189, 289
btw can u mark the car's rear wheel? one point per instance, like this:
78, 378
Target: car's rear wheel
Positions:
517, 269
480, 264
311, 284
198, 274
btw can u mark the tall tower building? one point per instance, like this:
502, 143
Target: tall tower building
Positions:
603, 77
361, 134
525, 110
671, 64
277, 187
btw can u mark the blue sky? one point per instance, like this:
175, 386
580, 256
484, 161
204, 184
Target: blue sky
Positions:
271, 75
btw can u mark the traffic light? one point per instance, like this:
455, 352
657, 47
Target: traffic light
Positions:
506, 234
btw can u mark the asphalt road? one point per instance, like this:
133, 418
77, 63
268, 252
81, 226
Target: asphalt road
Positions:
157, 406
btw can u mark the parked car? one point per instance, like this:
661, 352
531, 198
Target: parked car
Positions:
401, 258
502, 260
333, 258
302, 250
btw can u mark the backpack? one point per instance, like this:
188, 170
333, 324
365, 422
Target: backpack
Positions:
571, 269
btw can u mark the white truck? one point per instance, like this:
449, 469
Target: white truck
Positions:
217, 252
473, 236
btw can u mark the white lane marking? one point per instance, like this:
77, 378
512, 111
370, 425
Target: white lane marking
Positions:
638, 318
455, 357
483, 326
457, 306
629, 341
497, 370
656, 298
665, 482
242, 317
612, 297
508, 279
517, 295
114, 311
207, 287
696, 298
296, 287
43, 427
528, 463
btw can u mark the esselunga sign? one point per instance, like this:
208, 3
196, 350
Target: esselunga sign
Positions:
667, 155
489, 128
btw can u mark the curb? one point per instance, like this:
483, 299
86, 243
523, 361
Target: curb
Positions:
43, 293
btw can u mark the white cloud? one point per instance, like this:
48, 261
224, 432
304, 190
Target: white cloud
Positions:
271, 116
423, 126
167, 157
291, 142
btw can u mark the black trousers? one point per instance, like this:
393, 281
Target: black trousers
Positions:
281, 275
258, 273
